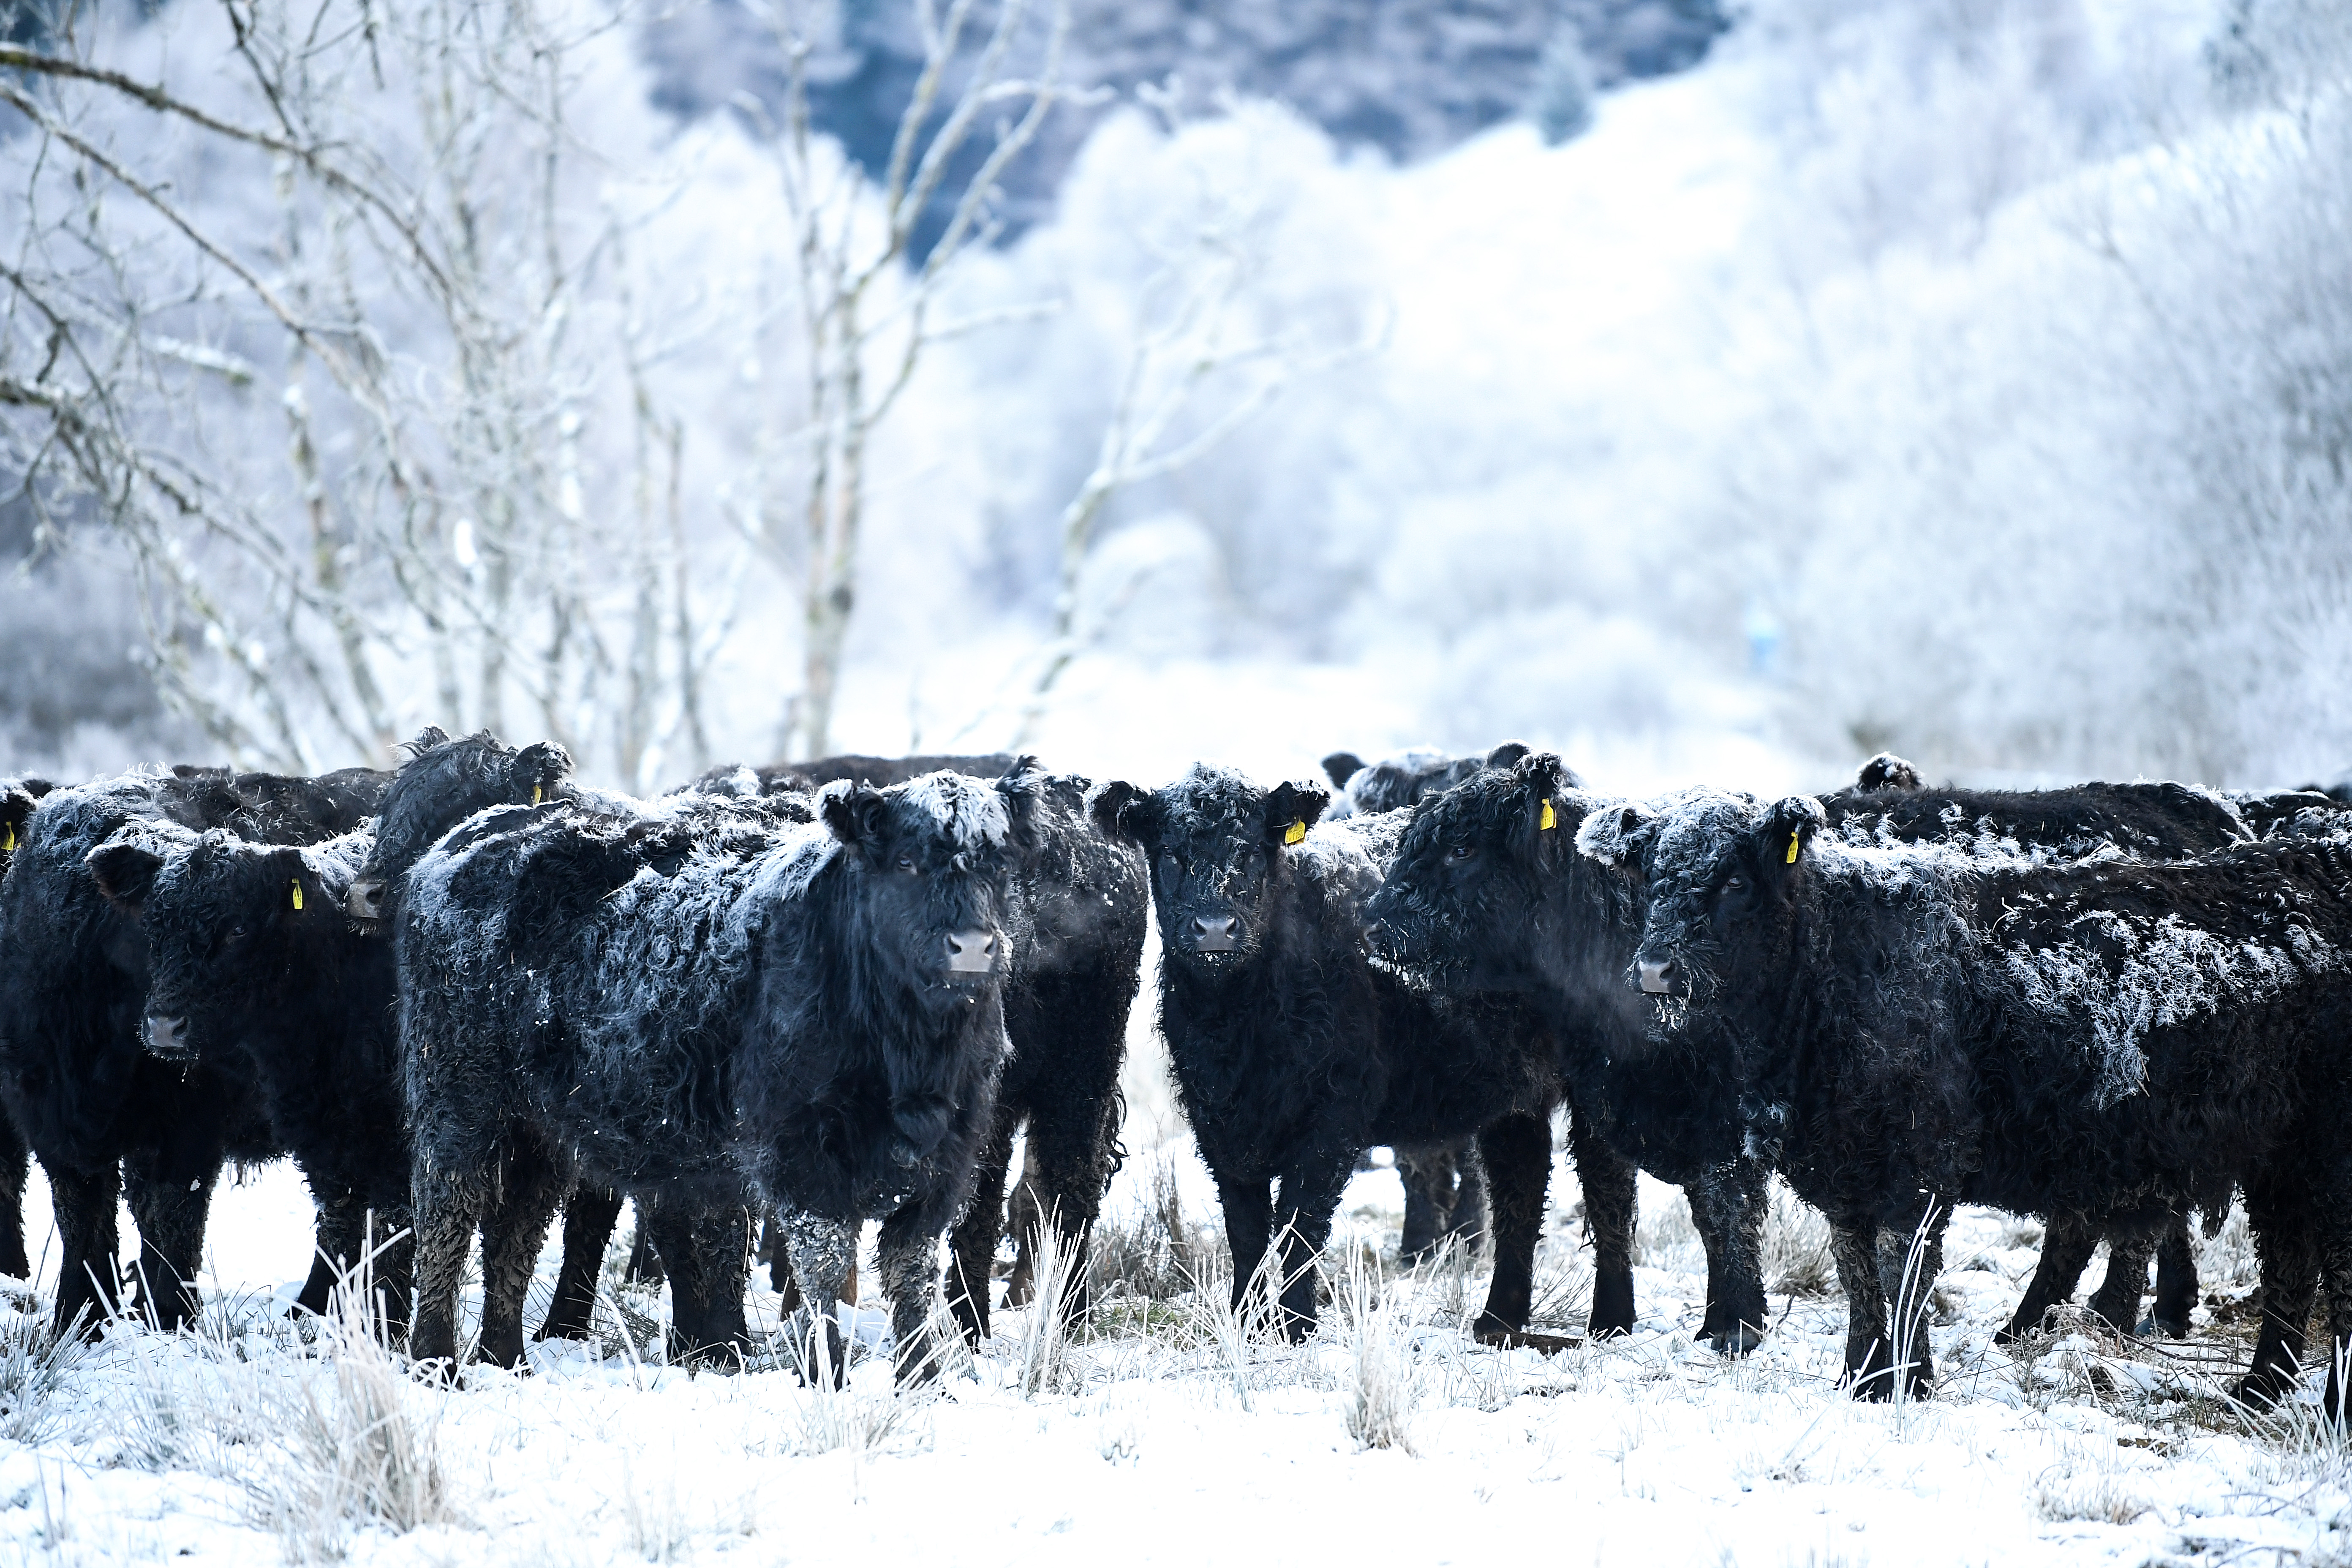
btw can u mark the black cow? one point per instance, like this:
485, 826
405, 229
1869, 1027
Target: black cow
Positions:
1077, 928
101, 1112
1406, 778
17, 799
683, 1006
2154, 821
442, 783
1913, 1028
1293, 1052
252, 963
1487, 895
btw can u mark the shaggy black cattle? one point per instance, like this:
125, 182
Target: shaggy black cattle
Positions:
1913, 1027
442, 783
101, 1112
1487, 895
1406, 778
2153, 821
17, 798
681, 1007
1080, 913
252, 960
1293, 1052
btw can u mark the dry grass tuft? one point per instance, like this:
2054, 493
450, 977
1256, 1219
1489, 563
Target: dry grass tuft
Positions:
1382, 1388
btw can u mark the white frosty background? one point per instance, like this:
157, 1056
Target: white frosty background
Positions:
1973, 379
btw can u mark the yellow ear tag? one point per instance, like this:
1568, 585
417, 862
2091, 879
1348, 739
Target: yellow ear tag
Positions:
536, 793
1294, 834
298, 892
9, 843
1793, 851
1547, 822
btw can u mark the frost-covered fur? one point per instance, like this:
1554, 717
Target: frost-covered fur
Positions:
442, 783
1079, 909
1293, 1053
300, 1001
1406, 778
18, 796
698, 1007
98, 1110
1482, 898
2153, 821
1915, 1026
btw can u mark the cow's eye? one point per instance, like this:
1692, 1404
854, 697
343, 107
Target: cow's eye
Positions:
1459, 852
1733, 884
907, 864
237, 933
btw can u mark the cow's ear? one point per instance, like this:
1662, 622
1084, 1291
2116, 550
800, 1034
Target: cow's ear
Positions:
17, 805
427, 738
852, 812
300, 891
1886, 771
1786, 826
538, 768
1341, 766
1618, 834
1023, 787
1126, 812
1537, 781
125, 870
1508, 754
1292, 808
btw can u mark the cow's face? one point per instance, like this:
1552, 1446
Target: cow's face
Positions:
931, 861
1461, 904
444, 782
1720, 872
1218, 847
225, 923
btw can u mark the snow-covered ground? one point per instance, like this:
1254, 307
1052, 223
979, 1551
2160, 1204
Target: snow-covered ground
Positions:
1166, 1445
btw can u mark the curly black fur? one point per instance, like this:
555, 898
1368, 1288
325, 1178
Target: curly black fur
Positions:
1293, 1053
1409, 776
698, 1006
1484, 896
1914, 1027
1077, 929
442, 783
96, 1107
17, 799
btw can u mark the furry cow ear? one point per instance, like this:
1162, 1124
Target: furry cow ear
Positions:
1788, 826
1508, 754
1341, 766
1539, 778
427, 738
852, 812
125, 869
17, 805
539, 767
1618, 834
1886, 771
1123, 811
1292, 808
1022, 786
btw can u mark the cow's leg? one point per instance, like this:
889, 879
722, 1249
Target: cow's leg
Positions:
1428, 1173
644, 1265
2288, 1245
514, 1228
16, 1165
170, 1200
1310, 1194
2333, 1242
1910, 1257
1869, 1357
1728, 1206
2175, 1281
972, 1243
1612, 1204
389, 1237
1248, 1207
1466, 1221
90, 1267
2067, 1242
824, 1251
1067, 1166
908, 1252
1517, 1155
706, 1253
451, 1191
590, 1216
335, 1253
2117, 1301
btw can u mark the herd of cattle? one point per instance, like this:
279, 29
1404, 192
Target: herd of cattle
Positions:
471, 991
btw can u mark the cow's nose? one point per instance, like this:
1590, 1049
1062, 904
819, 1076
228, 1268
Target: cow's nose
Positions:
364, 901
1215, 934
1657, 975
167, 1036
972, 952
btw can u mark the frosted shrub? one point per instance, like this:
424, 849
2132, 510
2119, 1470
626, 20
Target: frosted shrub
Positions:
1382, 1388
